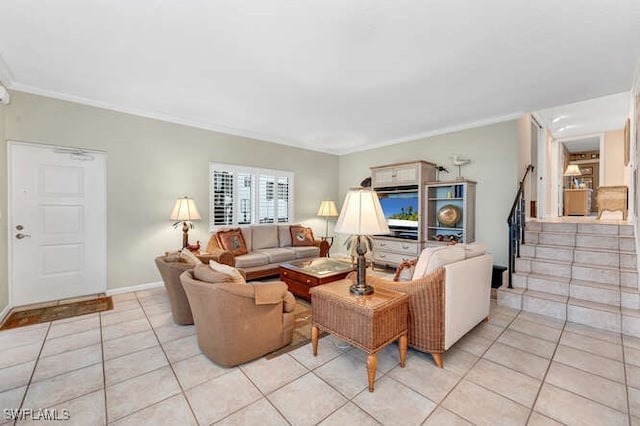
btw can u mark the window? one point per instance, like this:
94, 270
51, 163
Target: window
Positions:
247, 195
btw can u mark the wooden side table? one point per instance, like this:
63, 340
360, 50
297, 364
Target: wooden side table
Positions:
368, 322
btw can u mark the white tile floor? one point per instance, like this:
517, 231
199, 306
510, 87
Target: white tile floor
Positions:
133, 365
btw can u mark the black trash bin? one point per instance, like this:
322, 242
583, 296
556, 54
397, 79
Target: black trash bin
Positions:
496, 276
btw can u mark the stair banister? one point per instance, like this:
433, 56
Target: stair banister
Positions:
516, 221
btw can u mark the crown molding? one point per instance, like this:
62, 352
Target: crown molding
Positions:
254, 135
219, 128
6, 78
436, 132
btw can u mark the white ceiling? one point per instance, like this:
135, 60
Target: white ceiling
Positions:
330, 75
586, 118
582, 145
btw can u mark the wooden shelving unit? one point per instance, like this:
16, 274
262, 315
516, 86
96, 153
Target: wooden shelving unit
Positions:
460, 194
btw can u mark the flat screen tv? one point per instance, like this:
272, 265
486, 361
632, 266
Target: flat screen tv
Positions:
400, 209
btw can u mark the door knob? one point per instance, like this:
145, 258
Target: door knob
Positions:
21, 236
19, 227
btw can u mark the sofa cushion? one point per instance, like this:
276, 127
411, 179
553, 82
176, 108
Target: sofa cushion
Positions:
284, 235
264, 236
232, 240
252, 259
247, 234
306, 251
234, 276
205, 273
277, 255
189, 257
474, 249
301, 236
450, 254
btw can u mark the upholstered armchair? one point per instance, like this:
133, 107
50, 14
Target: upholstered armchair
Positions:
236, 323
170, 272
444, 304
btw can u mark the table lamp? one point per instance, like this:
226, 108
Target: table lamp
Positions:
327, 209
572, 171
361, 216
185, 211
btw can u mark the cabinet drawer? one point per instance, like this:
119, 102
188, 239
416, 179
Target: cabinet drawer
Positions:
385, 257
406, 175
404, 247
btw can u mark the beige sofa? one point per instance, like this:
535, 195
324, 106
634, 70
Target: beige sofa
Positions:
236, 323
268, 246
445, 304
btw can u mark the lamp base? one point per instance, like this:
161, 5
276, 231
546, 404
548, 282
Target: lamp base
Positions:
361, 290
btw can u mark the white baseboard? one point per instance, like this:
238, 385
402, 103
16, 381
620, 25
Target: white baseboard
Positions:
4, 313
139, 287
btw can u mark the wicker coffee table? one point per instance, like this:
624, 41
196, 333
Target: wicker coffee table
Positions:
368, 322
302, 275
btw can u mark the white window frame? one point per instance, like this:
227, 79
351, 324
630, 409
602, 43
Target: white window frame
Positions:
255, 173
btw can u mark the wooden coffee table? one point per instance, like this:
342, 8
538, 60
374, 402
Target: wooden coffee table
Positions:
368, 322
302, 275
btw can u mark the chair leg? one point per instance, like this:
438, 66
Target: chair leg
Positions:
437, 358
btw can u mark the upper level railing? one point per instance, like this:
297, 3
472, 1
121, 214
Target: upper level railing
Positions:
516, 224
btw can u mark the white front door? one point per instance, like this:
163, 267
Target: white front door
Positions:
57, 223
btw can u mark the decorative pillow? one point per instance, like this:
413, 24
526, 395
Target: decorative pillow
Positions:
423, 261
233, 241
206, 274
234, 276
450, 254
301, 236
189, 257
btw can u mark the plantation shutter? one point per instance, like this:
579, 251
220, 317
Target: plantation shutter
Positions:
283, 199
222, 198
245, 198
266, 199
245, 195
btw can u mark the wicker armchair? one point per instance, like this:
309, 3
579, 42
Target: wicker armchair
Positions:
445, 304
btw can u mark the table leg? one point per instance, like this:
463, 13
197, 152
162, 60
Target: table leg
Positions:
402, 346
372, 365
314, 339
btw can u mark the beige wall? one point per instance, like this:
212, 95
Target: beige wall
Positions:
494, 155
614, 158
149, 164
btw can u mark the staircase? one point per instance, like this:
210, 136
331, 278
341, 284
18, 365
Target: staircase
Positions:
580, 272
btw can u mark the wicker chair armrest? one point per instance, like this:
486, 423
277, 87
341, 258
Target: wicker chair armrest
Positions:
404, 265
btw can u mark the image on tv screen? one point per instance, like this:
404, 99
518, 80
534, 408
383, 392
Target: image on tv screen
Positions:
400, 210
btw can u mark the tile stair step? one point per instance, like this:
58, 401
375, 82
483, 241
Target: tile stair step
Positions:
510, 297
595, 292
598, 315
629, 298
542, 303
631, 322
548, 284
533, 246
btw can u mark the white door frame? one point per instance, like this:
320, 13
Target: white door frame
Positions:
557, 172
10, 230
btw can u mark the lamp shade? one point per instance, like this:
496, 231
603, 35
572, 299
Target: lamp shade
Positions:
185, 210
572, 170
361, 214
328, 209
